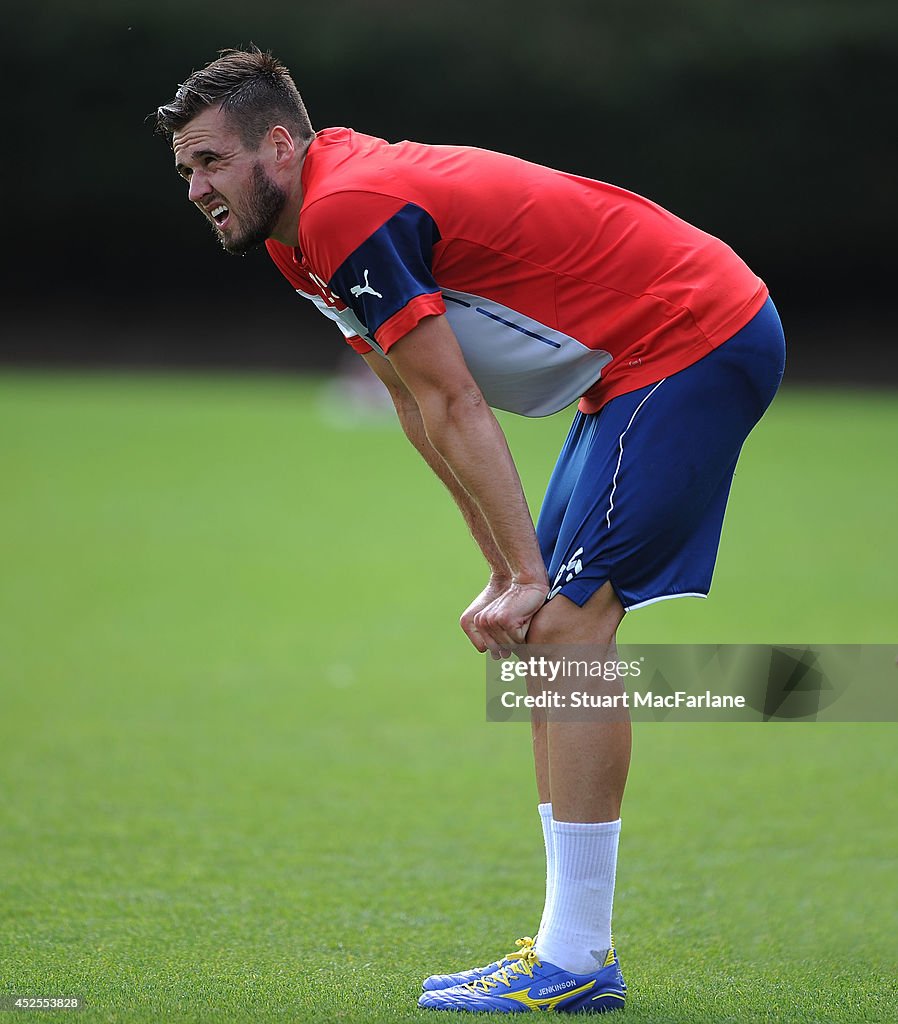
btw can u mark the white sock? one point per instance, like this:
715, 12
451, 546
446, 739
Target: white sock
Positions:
576, 933
545, 813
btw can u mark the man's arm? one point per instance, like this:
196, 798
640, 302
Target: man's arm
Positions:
413, 425
462, 430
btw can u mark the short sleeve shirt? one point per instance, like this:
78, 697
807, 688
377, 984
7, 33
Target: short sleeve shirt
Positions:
558, 287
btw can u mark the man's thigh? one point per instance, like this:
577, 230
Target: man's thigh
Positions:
638, 496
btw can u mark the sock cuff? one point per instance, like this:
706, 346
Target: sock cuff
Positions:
545, 810
585, 827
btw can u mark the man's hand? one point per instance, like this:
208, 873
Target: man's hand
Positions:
497, 585
499, 625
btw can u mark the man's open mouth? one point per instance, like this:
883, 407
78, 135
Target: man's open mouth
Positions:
220, 214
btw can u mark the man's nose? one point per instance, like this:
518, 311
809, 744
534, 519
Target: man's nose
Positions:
199, 187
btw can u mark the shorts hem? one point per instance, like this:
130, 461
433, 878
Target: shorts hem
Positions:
661, 597
581, 591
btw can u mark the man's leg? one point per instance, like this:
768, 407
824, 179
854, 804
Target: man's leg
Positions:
581, 769
583, 766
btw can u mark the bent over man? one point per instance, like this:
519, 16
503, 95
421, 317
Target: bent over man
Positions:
468, 279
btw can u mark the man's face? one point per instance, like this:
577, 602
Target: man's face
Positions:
228, 183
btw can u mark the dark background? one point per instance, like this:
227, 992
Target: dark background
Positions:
770, 124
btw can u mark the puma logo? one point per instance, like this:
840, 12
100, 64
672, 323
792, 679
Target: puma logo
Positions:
364, 289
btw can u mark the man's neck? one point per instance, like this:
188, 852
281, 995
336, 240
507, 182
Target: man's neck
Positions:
287, 229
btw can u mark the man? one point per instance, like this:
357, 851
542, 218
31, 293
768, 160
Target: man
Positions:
468, 279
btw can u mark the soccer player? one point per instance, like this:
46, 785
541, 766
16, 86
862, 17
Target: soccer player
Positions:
467, 280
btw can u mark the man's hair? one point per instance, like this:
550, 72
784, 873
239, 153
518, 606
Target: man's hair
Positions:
252, 88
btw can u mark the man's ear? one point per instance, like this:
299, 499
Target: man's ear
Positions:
283, 143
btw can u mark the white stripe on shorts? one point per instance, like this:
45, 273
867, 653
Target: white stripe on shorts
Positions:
621, 446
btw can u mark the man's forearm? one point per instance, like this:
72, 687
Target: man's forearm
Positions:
413, 425
465, 433
426, 371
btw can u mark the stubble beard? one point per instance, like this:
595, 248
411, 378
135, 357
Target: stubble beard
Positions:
261, 211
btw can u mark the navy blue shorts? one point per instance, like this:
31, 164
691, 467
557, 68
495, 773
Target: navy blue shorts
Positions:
639, 491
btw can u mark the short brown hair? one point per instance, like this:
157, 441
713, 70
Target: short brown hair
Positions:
253, 88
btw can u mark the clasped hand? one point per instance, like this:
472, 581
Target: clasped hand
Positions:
497, 620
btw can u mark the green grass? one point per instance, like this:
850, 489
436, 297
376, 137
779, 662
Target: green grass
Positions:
244, 771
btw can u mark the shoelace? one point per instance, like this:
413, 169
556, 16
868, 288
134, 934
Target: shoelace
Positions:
523, 945
524, 963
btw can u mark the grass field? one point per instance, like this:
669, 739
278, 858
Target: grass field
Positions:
244, 768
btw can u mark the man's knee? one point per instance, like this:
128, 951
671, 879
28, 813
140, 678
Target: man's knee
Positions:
561, 621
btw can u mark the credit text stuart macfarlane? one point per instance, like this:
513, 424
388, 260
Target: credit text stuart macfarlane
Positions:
636, 699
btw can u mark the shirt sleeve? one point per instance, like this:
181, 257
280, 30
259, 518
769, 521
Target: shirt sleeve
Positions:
386, 279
